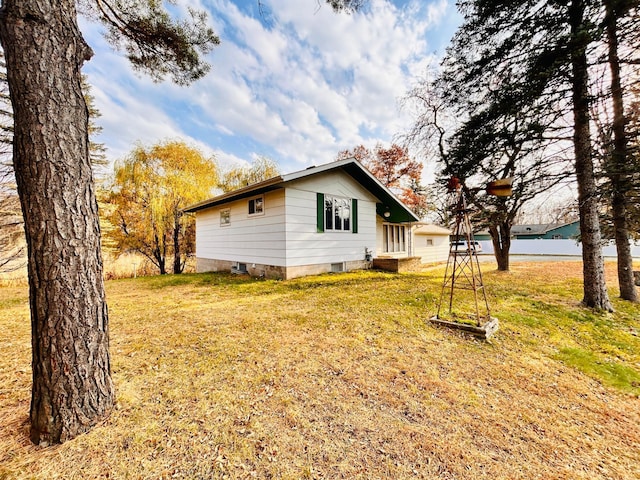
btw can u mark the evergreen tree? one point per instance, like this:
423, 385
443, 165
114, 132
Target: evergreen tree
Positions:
619, 165
531, 56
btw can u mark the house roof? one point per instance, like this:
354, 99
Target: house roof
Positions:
557, 226
537, 229
388, 202
532, 229
431, 229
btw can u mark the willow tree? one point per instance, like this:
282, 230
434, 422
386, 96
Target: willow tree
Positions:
151, 187
72, 387
262, 168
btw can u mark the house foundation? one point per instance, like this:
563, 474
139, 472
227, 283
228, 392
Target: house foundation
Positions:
397, 265
276, 272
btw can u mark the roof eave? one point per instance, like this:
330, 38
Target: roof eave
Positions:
390, 208
255, 189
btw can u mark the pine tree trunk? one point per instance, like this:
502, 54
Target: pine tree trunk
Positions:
594, 285
617, 168
72, 387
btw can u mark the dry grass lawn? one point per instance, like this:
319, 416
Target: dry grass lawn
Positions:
339, 376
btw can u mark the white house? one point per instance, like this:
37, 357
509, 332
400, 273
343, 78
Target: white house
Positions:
333, 217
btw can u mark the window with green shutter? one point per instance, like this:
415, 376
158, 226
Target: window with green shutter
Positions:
320, 212
354, 215
337, 214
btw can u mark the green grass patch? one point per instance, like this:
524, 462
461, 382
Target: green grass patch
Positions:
609, 372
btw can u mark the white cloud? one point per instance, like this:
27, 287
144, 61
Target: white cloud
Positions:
226, 159
299, 85
126, 118
436, 11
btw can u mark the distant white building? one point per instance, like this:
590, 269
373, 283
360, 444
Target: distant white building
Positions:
431, 243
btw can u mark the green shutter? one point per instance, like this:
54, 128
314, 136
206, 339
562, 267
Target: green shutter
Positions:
320, 212
354, 215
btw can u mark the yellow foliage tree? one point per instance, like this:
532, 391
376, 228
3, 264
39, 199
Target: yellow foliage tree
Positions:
150, 188
261, 169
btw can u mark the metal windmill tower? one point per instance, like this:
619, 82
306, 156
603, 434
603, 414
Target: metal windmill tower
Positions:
463, 267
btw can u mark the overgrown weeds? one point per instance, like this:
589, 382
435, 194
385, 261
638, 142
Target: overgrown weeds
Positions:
341, 376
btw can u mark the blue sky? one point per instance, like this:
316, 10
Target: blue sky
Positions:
296, 84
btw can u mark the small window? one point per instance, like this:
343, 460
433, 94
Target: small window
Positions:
556, 237
337, 267
429, 242
256, 206
225, 217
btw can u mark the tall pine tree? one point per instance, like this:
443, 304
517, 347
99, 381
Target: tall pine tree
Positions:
534, 55
72, 386
619, 166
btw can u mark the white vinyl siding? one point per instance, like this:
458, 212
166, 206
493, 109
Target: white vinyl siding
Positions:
305, 246
431, 244
248, 238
